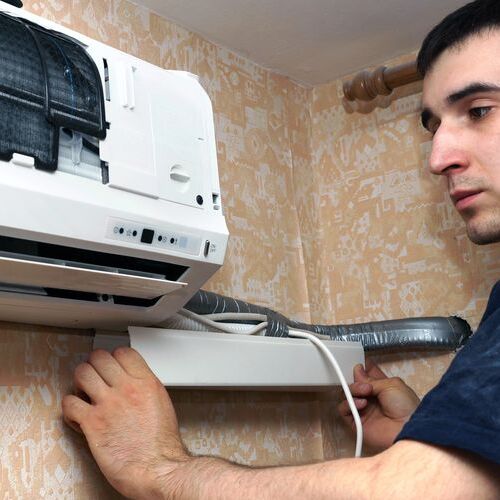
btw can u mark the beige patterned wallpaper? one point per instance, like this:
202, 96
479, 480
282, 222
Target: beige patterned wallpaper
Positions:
332, 219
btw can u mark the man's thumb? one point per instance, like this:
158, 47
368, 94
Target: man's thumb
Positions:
360, 374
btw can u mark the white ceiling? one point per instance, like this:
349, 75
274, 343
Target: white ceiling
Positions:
310, 41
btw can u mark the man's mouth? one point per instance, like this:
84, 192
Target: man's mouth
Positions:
463, 198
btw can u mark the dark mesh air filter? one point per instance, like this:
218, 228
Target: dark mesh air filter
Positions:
47, 81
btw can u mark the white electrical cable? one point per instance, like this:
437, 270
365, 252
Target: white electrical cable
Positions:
220, 326
179, 322
236, 316
248, 328
350, 401
318, 335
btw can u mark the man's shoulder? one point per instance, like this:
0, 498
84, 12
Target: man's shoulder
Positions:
495, 293
462, 410
493, 303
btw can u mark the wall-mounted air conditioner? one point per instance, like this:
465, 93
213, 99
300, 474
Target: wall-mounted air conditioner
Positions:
110, 207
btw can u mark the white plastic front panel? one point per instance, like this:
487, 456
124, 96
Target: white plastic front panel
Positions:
128, 147
159, 143
181, 152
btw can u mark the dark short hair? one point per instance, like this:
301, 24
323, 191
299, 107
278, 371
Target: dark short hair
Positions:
469, 20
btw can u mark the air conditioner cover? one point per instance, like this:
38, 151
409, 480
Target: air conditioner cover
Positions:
110, 201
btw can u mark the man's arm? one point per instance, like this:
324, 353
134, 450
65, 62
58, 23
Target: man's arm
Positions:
132, 432
408, 470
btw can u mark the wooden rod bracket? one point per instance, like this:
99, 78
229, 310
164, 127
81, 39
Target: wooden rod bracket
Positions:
366, 86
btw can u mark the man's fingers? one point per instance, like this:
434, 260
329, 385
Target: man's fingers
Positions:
371, 373
106, 366
345, 410
361, 389
360, 374
74, 411
376, 378
90, 382
132, 362
76, 427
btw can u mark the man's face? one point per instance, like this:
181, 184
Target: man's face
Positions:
461, 107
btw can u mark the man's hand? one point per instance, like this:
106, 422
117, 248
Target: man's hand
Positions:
129, 421
384, 405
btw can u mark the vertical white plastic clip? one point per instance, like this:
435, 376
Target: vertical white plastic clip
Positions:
130, 86
126, 87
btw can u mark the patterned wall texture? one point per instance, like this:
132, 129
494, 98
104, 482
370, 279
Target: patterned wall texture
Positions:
332, 219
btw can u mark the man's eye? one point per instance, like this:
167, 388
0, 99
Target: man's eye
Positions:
479, 112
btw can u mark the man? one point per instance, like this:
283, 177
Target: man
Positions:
450, 447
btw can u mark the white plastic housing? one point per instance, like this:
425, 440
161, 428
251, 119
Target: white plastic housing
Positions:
161, 156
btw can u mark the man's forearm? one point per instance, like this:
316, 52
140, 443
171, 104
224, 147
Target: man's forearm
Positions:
206, 477
408, 470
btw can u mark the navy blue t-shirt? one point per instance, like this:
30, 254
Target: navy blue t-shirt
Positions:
463, 410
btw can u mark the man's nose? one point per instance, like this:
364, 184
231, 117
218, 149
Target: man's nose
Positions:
448, 152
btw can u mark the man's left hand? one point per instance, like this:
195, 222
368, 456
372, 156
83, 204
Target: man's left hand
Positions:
128, 420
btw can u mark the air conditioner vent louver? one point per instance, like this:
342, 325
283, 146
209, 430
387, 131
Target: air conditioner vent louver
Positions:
78, 274
78, 257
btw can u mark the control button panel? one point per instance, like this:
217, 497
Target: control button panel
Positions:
133, 232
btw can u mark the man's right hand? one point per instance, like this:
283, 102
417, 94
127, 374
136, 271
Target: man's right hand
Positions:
384, 404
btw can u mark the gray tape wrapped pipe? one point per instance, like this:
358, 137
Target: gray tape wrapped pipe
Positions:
212, 303
432, 333
416, 333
